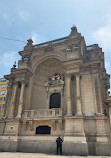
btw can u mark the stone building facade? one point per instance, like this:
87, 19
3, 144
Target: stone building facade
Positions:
59, 88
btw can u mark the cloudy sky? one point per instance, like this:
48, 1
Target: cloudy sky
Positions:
45, 20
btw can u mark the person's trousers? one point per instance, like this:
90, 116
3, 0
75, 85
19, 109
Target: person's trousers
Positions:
59, 148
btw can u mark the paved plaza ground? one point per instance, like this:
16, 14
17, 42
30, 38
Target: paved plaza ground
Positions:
38, 155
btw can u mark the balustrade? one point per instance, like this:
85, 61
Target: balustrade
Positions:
43, 113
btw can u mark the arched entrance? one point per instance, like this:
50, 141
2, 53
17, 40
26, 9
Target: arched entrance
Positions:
55, 100
43, 130
40, 97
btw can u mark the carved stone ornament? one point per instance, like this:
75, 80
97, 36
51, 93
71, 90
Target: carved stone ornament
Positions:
72, 48
25, 125
29, 44
31, 126
25, 82
77, 75
48, 49
68, 75
16, 83
10, 83
53, 125
60, 123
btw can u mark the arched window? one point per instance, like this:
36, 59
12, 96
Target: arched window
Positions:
55, 100
43, 130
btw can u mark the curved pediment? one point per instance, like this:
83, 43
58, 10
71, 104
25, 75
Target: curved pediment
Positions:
44, 58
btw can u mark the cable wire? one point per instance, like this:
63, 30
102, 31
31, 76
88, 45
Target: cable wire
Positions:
11, 39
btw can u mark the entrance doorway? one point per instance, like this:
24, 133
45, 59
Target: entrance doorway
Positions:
55, 100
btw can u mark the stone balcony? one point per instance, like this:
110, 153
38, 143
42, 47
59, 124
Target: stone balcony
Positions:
43, 113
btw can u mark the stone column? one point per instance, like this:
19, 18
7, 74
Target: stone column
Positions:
13, 99
68, 94
20, 106
78, 97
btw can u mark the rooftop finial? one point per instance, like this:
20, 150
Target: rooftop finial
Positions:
29, 44
73, 25
14, 65
30, 41
73, 30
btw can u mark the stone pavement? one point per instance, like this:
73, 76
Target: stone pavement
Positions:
39, 155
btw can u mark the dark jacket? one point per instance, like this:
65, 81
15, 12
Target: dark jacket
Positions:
59, 141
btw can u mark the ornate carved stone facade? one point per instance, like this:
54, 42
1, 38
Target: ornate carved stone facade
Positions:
59, 88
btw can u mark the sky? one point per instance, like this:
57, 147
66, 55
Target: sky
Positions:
45, 20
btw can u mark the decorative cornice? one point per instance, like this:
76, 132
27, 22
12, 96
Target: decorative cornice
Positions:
73, 62
25, 52
19, 72
9, 77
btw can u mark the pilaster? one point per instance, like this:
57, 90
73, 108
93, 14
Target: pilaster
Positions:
68, 94
78, 96
97, 90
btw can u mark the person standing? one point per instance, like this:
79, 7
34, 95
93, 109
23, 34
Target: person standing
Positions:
59, 145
